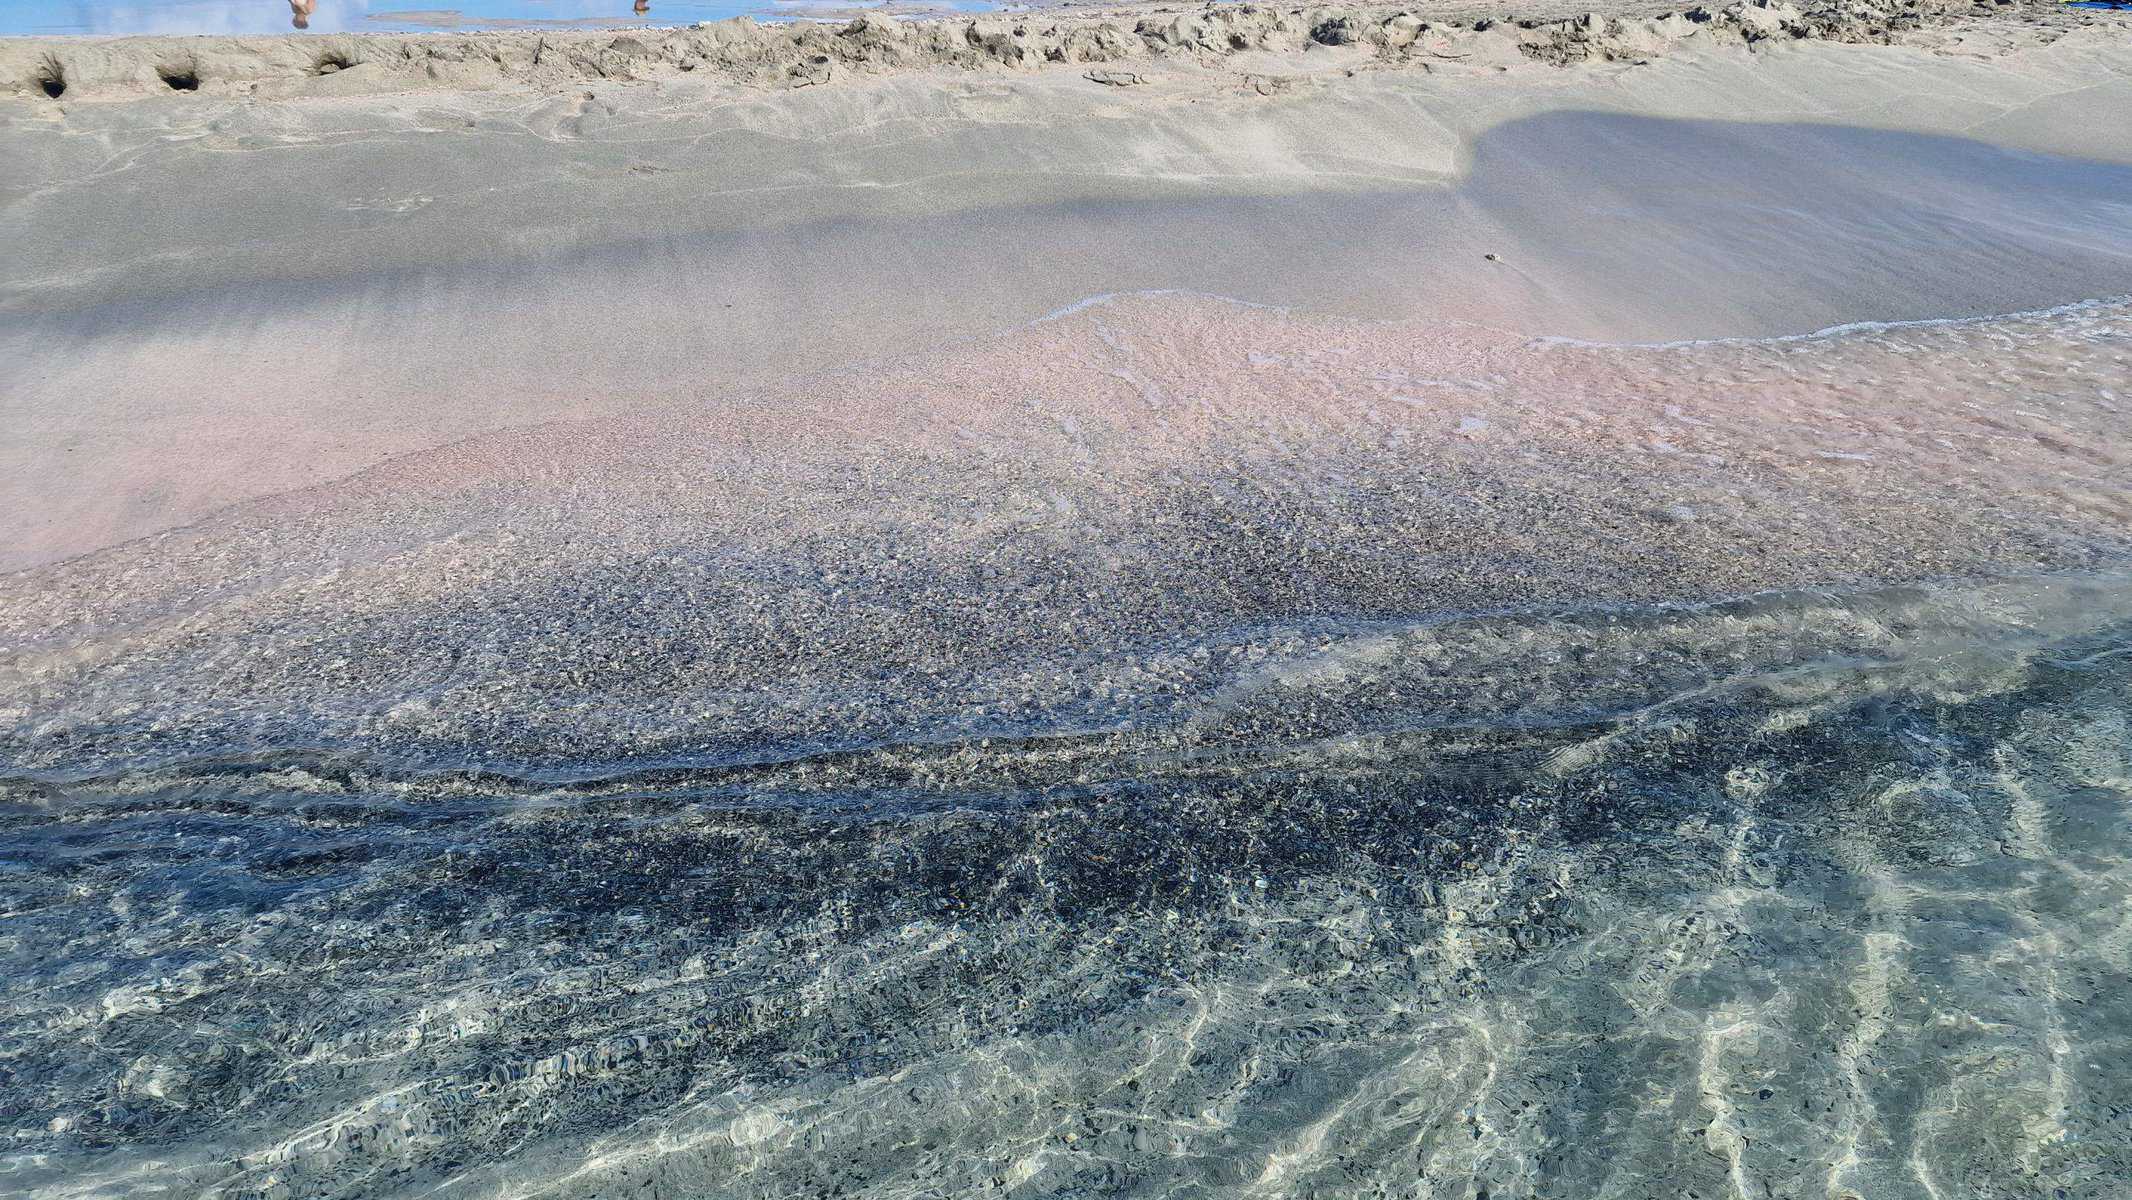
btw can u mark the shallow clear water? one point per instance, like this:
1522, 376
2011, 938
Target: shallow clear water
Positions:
1177, 749
1815, 894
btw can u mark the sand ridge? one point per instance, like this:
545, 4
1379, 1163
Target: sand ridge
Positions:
211, 301
805, 54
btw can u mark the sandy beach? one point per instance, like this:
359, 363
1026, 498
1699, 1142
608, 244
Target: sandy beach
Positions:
560, 252
1439, 602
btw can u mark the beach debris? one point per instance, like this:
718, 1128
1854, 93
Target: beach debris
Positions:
1277, 85
1008, 42
51, 78
1337, 31
1402, 31
1114, 78
803, 53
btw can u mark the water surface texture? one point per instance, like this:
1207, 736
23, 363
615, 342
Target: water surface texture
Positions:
1177, 749
464, 734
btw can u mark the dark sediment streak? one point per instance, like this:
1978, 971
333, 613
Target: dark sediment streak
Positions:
1345, 920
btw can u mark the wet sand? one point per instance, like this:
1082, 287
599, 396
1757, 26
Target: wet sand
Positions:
1141, 469
306, 274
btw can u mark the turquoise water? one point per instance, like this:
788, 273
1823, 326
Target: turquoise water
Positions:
1817, 894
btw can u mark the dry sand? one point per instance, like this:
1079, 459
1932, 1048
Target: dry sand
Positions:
1116, 39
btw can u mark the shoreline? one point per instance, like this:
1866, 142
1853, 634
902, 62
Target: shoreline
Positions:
1611, 474
2107, 556
218, 301
596, 629
1833, 626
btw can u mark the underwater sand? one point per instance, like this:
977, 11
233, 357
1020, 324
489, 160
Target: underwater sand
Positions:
1173, 749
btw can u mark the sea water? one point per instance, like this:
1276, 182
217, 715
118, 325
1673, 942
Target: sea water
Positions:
1175, 749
